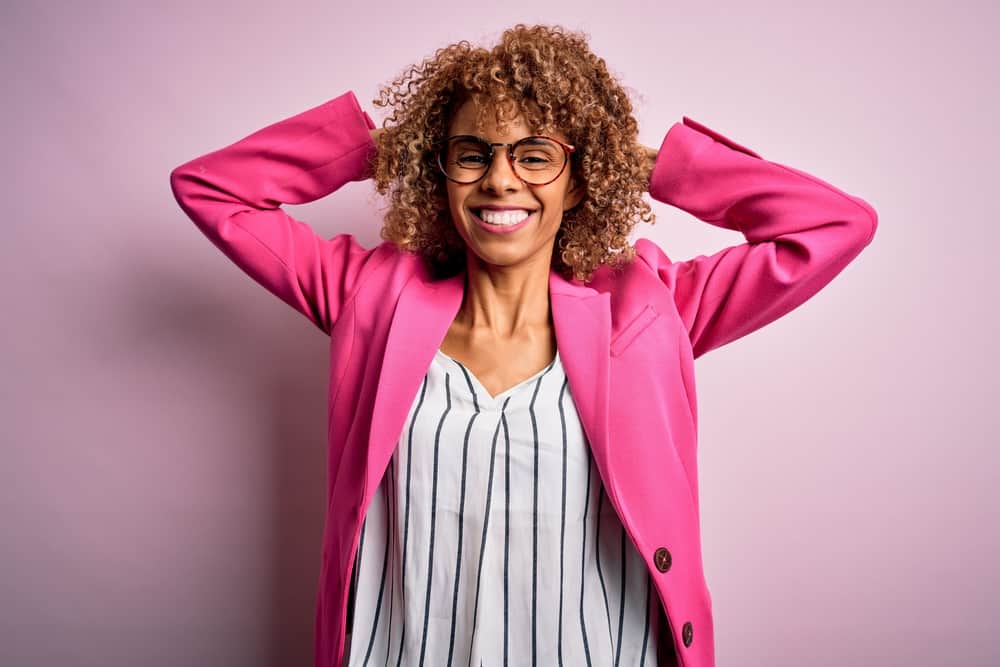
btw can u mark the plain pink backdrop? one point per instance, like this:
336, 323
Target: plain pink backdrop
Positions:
162, 479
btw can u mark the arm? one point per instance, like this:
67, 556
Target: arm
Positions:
800, 233
234, 196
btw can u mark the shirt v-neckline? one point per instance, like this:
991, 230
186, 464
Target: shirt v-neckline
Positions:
481, 392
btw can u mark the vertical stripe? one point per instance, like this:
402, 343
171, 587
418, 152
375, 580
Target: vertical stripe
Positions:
621, 609
406, 512
392, 524
583, 568
506, 542
468, 382
534, 518
562, 520
645, 629
461, 515
352, 596
430, 546
381, 587
600, 573
486, 524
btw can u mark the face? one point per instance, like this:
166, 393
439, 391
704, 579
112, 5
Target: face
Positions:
543, 205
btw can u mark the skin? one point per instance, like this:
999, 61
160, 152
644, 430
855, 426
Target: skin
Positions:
503, 332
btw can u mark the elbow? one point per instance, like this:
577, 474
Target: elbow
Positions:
188, 192
867, 221
180, 182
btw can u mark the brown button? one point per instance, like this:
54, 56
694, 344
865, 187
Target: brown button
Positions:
687, 633
662, 559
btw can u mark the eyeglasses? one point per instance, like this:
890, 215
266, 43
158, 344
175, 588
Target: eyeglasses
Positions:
536, 160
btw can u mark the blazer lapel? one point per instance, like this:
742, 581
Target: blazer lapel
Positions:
424, 312
582, 319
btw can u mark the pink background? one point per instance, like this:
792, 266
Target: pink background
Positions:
164, 417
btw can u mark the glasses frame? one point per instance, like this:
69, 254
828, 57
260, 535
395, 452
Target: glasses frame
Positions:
568, 149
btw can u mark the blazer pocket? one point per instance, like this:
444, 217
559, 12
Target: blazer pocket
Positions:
624, 338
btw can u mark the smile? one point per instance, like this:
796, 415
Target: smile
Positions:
501, 222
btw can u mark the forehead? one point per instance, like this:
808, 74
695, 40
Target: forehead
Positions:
473, 117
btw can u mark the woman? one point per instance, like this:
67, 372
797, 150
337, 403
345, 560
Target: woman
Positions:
513, 419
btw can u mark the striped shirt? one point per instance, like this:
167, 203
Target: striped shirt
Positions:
490, 540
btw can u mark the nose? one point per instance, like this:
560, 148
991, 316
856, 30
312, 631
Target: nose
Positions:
500, 175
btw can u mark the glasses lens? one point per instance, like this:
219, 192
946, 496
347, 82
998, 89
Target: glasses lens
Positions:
465, 159
537, 160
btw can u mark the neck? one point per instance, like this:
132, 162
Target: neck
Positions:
506, 302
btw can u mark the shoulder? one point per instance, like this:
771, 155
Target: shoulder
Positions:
636, 288
375, 267
635, 275
383, 253
651, 254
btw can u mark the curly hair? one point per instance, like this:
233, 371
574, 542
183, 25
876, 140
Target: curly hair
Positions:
552, 77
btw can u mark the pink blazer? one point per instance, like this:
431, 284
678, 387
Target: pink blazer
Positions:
628, 341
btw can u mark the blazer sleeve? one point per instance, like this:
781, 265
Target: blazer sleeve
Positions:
234, 196
800, 233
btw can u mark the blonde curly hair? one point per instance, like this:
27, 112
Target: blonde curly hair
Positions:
553, 78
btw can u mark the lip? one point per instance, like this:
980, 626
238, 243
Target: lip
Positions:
496, 229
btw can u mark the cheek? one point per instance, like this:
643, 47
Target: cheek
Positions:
554, 202
554, 217
453, 198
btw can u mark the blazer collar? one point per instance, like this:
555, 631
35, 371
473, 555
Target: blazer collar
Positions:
426, 309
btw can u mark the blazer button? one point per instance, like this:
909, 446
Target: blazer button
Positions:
687, 633
662, 559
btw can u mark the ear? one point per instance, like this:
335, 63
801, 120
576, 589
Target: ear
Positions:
577, 191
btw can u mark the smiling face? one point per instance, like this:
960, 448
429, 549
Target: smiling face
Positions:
483, 212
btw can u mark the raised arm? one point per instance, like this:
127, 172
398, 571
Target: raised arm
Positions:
800, 233
234, 195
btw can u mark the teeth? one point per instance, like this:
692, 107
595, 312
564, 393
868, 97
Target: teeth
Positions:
504, 218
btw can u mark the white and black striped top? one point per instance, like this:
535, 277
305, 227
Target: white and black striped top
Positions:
490, 540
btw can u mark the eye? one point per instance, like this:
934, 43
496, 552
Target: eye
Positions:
536, 152
471, 158
467, 152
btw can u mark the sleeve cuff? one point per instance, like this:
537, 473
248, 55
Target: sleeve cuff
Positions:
671, 180
360, 126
